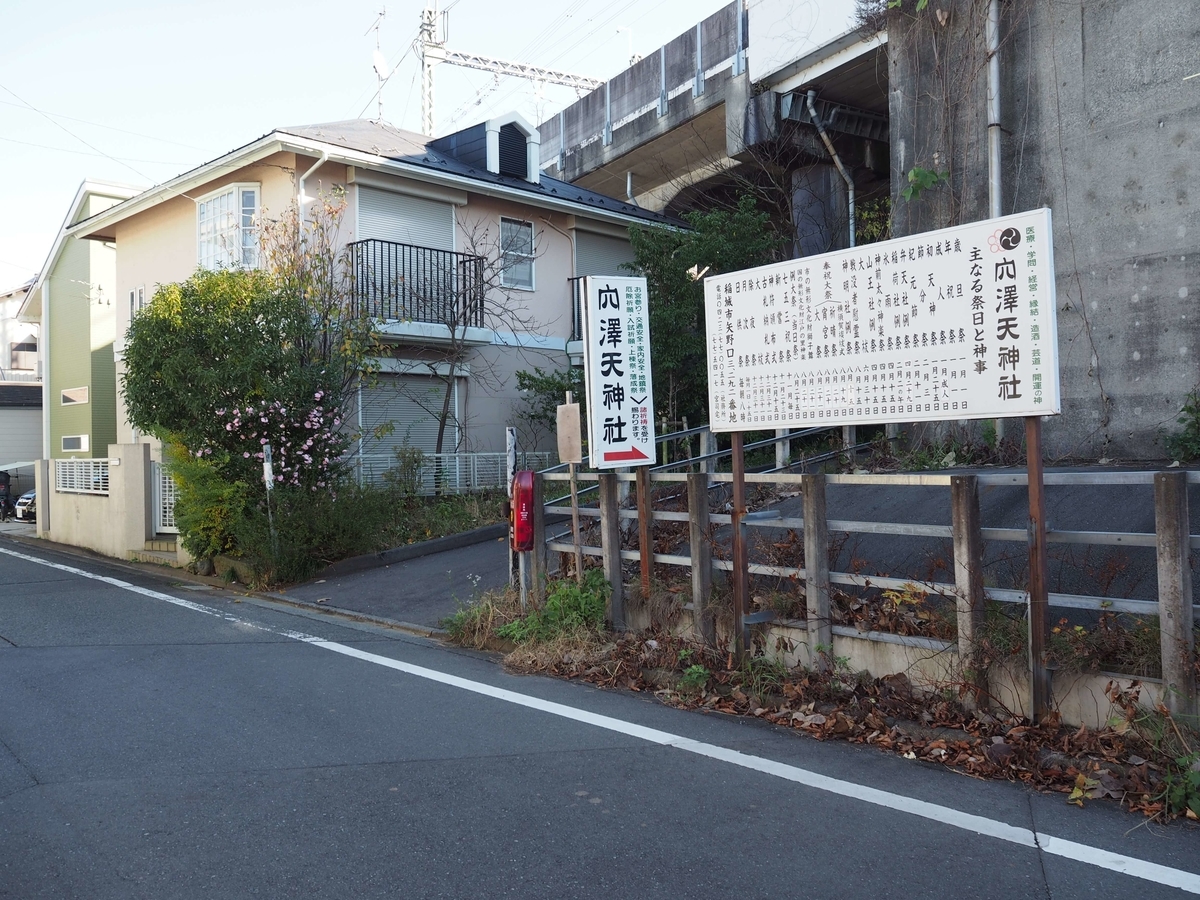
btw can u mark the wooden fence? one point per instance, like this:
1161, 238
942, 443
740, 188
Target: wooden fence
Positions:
1171, 541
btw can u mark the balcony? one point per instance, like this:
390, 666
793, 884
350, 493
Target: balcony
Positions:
402, 285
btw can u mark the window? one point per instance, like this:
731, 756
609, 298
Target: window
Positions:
23, 355
75, 443
71, 396
137, 301
226, 228
516, 254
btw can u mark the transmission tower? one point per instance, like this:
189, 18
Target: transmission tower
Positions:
431, 46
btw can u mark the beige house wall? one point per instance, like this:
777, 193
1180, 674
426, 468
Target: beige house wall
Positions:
159, 246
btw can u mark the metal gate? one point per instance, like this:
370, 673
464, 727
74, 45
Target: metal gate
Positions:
166, 492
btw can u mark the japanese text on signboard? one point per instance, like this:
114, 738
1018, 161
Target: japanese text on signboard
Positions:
953, 324
617, 369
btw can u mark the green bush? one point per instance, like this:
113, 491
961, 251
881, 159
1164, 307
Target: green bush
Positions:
569, 608
315, 528
208, 505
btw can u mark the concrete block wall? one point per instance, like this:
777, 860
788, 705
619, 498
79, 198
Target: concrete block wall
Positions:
1099, 126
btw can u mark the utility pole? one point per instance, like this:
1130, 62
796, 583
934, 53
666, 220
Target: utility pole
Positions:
431, 47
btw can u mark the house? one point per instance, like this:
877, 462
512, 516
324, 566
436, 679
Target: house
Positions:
20, 394
467, 257
18, 339
427, 224
73, 303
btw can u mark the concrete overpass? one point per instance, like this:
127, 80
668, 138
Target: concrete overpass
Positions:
724, 107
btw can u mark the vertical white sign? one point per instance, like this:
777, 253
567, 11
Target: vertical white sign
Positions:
951, 324
616, 365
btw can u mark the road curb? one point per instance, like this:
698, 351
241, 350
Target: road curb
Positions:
413, 551
170, 574
429, 631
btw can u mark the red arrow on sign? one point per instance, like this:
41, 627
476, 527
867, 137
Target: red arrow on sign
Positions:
625, 455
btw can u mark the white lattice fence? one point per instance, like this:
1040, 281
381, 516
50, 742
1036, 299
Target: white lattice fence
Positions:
81, 476
166, 492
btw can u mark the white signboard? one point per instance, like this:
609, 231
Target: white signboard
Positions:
951, 324
616, 365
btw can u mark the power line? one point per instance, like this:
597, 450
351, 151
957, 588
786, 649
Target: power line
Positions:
74, 135
99, 125
156, 162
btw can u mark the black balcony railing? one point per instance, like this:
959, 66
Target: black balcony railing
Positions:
401, 282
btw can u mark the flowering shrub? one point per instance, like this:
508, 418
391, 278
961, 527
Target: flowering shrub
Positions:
307, 443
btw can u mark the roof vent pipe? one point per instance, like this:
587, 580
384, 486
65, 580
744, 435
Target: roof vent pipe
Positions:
816, 120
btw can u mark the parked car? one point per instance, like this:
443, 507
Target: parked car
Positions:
27, 507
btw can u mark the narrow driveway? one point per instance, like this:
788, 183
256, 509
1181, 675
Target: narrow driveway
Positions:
163, 742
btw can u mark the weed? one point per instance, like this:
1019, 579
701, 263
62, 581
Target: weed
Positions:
569, 608
694, 678
475, 625
919, 179
1181, 787
1185, 445
1118, 643
761, 675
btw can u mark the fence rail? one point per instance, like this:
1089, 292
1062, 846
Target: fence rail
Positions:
453, 473
1170, 541
81, 476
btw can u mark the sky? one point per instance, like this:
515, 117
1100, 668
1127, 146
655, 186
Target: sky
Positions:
137, 92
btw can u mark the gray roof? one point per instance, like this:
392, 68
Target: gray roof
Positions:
20, 396
381, 139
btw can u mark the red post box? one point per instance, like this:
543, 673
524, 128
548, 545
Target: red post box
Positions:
521, 530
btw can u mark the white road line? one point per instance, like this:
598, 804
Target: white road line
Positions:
1024, 837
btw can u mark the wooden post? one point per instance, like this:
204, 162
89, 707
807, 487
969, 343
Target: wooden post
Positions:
816, 571
1039, 598
741, 572
968, 579
707, 445
849, 439
1174, 591
571, 430
644, 515
697, 487
610, 542
537, 568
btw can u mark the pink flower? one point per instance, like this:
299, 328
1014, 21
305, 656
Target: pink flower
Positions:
246, 455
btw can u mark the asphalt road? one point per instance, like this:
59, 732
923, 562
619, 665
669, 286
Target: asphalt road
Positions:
160, 742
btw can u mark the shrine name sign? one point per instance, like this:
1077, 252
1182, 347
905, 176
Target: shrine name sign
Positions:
950, 324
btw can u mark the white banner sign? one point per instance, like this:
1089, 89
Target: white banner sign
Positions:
616, 365
951, 324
